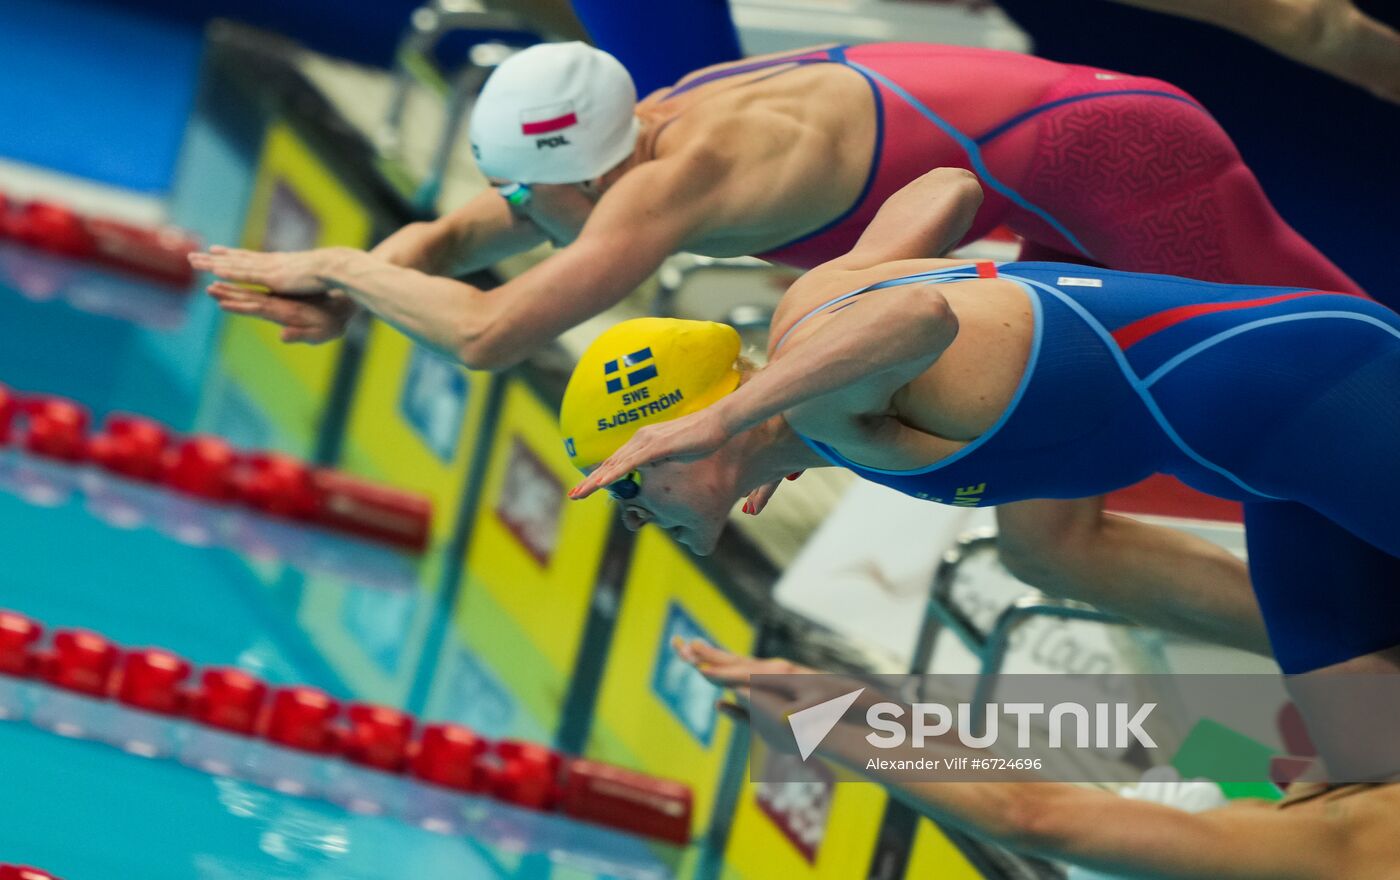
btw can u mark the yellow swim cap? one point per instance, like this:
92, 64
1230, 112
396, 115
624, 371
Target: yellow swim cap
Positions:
642, 372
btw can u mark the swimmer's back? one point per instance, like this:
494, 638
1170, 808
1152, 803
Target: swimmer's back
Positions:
775, 143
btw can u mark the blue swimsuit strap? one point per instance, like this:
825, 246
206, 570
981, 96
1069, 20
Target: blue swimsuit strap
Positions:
936, 276
1142, 389
945, 275
836, 54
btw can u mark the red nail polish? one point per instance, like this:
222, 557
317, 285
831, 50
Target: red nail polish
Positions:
794, 476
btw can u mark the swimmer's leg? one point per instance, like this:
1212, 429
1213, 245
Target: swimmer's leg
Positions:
1157, 576
1327, 595
1261, 247
1341, 452
1152, 183
1332, 605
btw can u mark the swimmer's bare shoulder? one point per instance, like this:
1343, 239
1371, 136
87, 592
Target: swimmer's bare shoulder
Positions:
835, 279
784, 156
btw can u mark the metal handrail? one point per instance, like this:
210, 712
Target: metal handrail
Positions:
990, 647
428, 25
677, 270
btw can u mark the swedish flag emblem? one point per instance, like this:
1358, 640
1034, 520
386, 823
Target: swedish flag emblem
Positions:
636, 368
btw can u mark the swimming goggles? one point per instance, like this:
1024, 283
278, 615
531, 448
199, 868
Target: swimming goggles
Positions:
625, 489
517, 195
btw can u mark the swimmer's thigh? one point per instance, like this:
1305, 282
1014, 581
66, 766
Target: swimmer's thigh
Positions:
1327, 595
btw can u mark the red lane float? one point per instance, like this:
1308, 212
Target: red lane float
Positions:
81, 661
158, 253
377, 736
201, 466
524, 774
19, 640
229, 699
448, 755
276, 484
8, 407
131, 446
153, 679
55, 428
50, 227
23, 872
161, 254
629, 801
306, 719
302, 718
209, 468
349, 504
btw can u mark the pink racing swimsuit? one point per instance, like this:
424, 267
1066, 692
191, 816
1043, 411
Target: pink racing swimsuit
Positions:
1087, 165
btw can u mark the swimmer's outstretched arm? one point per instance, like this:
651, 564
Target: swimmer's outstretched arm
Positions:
646, 216
476, 235
925, 218
1330, 35
1087, 827
470, 238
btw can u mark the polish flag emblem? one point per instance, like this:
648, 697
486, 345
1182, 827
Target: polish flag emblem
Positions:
548, 119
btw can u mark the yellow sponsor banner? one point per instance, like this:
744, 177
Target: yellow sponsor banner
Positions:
934, 855
823, 823
531, 558
297, 203
807, 827
655, 713
415, 422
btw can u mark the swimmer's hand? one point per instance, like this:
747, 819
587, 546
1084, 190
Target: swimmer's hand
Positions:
766, 703
293, 273
309, 319
685, 439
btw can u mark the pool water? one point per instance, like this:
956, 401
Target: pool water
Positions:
221, 587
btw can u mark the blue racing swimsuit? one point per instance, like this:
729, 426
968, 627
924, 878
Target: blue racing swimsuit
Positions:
1285, 399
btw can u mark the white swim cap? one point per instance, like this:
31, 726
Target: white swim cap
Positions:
555, 113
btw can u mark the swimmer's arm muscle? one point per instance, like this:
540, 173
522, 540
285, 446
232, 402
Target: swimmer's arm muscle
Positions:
643, 219
864, 350
923, 220
854, 357
476, 235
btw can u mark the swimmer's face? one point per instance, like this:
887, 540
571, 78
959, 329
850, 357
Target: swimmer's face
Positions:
560, 193
686, 499
561, 209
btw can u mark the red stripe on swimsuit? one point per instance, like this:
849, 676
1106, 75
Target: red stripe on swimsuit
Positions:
1131, 334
